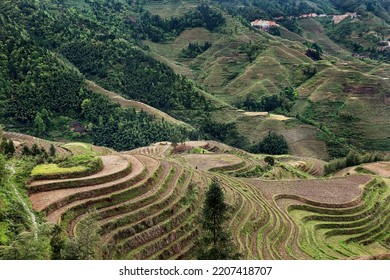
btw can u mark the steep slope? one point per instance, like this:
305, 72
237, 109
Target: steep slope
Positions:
334, 92
150, 211
125, 49
138, 106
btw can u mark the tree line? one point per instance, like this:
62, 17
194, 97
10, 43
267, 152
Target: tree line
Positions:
153, 27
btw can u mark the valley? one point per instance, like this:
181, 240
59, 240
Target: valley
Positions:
117, 118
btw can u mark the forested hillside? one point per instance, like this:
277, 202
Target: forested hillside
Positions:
42, 91
197, 61
120, 118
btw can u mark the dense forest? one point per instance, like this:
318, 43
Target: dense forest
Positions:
157, 29
38, 85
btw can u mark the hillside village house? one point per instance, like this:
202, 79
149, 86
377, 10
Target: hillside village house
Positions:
312, 15
263, 24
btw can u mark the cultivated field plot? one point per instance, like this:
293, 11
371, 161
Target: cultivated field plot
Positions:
213, 161
379, 168
147, 202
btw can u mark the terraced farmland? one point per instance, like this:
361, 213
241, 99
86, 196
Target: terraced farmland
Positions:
147, 202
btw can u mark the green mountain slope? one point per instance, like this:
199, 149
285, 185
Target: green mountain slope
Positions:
243, 63
136, 50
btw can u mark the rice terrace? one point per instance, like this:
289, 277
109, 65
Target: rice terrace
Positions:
195, 130
146, 203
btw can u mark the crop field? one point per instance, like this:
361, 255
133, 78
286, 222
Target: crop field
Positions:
147, 202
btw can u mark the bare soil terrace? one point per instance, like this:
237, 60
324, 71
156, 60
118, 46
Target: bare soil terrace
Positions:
204, 162
335, 191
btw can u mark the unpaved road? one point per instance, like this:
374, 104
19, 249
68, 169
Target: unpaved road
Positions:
25, 206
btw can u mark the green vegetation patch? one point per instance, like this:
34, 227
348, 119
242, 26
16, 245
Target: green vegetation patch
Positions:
75, 166
3, 232
78, 148
54, 169
199, 150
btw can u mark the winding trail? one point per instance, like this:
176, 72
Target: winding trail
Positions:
25, 206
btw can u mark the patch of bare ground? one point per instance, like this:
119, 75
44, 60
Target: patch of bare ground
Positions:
332, 191
279, 117
346, 172
256, 114
42, 200
303, 142
150, 165
380, 168
194, 144
204, 162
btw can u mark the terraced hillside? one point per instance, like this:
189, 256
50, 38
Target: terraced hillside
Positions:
339, 93
147, 203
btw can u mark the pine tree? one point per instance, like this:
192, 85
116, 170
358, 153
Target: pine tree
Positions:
52, 151
3, 146
26, 151
39, 124
272, 144
10, 148
35, 150
215, 242
57, 242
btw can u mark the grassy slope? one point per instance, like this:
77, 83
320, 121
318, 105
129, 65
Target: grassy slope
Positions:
346, 88
228, 74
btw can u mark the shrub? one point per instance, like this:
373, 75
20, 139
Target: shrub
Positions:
352, 159
270, 160
272, 144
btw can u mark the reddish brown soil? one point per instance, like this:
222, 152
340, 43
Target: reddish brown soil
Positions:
335, 191
42, 200
208, 161
379, 168
137, 169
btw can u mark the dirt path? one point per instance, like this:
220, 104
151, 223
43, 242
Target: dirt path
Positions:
25, 206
